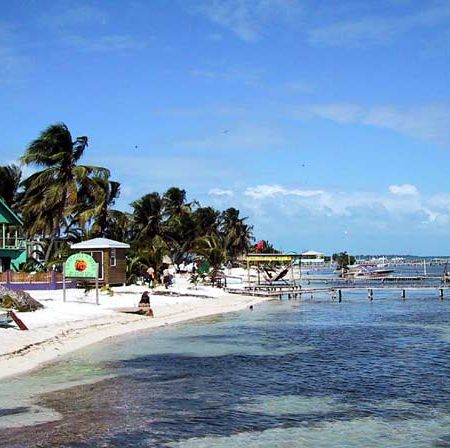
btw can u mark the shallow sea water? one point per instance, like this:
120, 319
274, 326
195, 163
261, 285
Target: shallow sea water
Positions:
288, 374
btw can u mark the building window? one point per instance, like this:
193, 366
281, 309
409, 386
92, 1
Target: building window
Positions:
112, 258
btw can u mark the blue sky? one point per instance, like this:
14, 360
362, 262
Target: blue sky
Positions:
326, 122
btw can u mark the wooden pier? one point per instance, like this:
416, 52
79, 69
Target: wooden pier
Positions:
335, 292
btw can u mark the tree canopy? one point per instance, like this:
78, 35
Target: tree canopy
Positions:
66, 201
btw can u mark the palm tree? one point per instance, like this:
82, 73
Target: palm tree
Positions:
237, 234
178, 228
206, 220
51, 195
10, 176
174, 202
143, 257
212, 247
96, 197
147, 218
120, 226
179, 232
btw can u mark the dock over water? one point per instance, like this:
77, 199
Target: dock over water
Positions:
337, 290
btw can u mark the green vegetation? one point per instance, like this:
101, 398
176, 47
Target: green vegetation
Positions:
343, 259
64, 202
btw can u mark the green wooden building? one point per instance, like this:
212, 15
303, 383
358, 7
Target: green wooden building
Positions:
13, 246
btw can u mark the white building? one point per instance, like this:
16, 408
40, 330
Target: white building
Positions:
313, 257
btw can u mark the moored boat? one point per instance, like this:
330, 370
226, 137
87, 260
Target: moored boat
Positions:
364, 271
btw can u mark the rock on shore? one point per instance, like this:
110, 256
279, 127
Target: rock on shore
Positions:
19, 300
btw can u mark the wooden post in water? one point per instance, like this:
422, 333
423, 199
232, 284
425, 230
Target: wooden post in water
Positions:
441, 293
340, 296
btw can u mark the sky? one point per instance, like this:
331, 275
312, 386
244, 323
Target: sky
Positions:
326, 122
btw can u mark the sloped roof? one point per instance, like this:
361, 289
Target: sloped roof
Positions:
100, 243
313, 253
9, 215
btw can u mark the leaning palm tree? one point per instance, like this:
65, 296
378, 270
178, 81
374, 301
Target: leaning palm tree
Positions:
120, 226
10, 176
237, 234
147, 218
96, 197
51, 195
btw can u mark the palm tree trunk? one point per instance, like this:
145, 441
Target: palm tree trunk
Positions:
51, 243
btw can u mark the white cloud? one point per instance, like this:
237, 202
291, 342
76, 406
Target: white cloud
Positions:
265, 191
402, 203
426, 123
379, 29
341, 113
220, 192
430, 123
403, 190
247, 18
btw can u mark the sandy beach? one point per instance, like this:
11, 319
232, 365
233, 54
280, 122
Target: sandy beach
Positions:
61, 327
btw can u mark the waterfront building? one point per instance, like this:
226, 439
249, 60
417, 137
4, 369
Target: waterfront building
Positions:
110, 256
13, 244
312, 257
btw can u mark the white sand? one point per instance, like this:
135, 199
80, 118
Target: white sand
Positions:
64, 327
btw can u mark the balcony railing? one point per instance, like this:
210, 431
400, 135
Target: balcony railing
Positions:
13, 243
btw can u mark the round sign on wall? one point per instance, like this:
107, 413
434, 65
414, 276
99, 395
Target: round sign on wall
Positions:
81, 266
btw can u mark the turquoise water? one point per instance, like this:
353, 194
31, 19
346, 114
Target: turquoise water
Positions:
288, 374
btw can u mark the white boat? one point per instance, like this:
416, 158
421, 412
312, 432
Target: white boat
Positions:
365, 271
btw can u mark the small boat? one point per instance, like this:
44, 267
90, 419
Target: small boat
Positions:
361, 271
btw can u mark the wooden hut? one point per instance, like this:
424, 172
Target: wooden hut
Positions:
111, 257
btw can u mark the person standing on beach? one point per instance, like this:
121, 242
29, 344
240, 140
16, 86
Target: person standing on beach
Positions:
150, 277
167, 278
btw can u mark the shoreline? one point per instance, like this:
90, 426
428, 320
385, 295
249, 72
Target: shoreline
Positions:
28, 350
